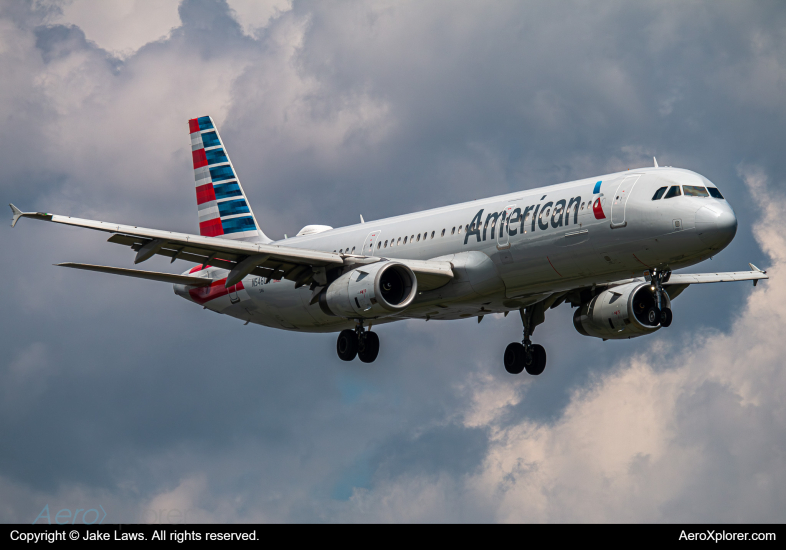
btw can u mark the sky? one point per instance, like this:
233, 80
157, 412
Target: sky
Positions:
115, 392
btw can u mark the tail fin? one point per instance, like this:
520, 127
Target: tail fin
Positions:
223, 208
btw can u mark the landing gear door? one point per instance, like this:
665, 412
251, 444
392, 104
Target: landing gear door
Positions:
620, 200
370, 243
233, 297
503, 234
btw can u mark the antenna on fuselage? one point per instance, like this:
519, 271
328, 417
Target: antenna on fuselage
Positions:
361, 219
656, 162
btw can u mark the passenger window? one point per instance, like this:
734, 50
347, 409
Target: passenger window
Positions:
467, 227
341, 251
379, 245
453, 232
432, 234
695, 191
398, 242
443, 233
714, 192
659, 193
582, 206
460, 229
353, 250
405, 240
673, 192
411, 239
418, 237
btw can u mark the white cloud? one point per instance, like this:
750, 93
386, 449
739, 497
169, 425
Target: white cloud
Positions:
121, 26
257, 14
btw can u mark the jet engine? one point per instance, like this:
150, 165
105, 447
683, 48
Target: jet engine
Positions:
625, 311
370, 291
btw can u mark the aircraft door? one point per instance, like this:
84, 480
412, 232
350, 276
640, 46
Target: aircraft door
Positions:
503, 234
620, 200
370, 243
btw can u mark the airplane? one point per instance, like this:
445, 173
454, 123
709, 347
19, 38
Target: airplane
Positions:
606, 245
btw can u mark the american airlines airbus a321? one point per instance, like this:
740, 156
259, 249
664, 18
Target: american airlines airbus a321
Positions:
606, 245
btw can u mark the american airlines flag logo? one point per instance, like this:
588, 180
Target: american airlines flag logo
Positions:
597, 209
222, 205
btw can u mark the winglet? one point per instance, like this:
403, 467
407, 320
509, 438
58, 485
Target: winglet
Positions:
656, 162
17, 214
754, 268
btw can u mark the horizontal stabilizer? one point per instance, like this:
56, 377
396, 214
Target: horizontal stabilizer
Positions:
150, 275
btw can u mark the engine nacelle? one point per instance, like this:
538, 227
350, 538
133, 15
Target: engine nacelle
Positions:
619, 312
370, 291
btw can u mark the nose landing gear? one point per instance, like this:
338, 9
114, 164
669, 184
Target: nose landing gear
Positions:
663, 313
527, 356
361, 343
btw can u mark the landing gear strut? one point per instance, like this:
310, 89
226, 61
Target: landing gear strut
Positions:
359, 342
527, 355
657, 278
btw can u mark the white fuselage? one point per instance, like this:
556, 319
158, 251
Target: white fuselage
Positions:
507, 251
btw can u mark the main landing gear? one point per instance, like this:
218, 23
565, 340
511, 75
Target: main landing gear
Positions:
527, 355
663, 313
359, 342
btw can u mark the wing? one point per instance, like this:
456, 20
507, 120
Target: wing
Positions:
700, 278
678, 282
301, 265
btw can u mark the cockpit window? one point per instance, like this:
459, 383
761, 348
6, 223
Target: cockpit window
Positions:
695, 191
659, 193
673, 192
714, 192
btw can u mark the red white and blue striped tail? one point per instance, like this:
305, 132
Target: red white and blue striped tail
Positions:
223, 208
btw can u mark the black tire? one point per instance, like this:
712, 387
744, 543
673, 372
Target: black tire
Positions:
653, 316
347, 345
368, 347
666, 317
514, 358
535, 360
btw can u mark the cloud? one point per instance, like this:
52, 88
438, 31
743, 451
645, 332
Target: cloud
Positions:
121, 27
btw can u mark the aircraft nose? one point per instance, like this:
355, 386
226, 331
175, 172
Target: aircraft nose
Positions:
716, 225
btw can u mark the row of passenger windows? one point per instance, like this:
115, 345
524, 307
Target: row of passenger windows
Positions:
688, 191
456, 230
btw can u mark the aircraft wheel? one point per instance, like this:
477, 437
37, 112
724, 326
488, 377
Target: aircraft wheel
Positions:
368, 347
514, 358
653, 316
347, 345
666, 317
535, 360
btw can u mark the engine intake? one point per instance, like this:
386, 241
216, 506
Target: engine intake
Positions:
370, 291
619, 312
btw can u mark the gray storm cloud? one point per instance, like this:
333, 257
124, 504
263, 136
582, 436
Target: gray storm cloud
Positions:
116, 392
